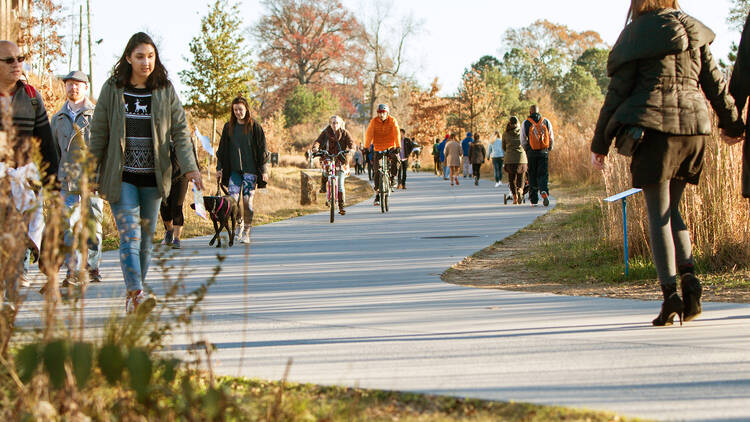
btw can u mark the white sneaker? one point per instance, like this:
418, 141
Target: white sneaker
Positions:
497, 184
245, 236
133, 299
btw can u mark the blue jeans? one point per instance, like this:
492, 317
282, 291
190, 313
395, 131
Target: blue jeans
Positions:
340, 178
72, 202
446, 170
136, 214
538, 174
497, 163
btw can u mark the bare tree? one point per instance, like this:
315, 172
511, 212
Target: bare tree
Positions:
385, 54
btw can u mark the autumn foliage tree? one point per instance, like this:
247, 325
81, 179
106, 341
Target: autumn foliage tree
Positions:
315, 43
477, 103
540, 54
428, 113
39, 35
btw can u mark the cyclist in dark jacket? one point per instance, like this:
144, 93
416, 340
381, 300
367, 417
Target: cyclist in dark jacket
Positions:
335, 139
661, 67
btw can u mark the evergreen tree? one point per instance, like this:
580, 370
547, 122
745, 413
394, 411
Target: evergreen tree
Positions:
221, 65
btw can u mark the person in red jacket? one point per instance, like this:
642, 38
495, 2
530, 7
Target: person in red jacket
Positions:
384, 134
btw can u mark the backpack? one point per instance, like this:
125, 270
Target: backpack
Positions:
538, 135
31, 92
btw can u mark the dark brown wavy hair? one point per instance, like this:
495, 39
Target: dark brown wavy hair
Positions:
233, 119
122, 71
512, 123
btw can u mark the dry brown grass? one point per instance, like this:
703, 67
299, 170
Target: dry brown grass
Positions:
716, 214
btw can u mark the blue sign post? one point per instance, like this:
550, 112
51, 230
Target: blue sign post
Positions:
622, 196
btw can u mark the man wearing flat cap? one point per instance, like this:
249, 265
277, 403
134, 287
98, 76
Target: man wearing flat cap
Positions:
71, 131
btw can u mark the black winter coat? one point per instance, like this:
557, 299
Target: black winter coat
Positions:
658, 66
258, 144
739, 87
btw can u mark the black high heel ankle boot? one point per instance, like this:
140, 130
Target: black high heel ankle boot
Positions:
691, 295
671, 307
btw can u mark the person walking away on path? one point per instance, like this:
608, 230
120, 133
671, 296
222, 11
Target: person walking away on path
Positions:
137, 114
334, 139
71, 129
538, 138
515, 159
28, 118
241, 161
358, 161
436, 156
453, 153
739, 88
171, 208
465, 160
496, 154
477, 155
383, 135
441, 148
369, 152
407, 146
644, 99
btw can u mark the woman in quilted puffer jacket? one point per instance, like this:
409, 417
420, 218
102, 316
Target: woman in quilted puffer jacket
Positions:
660, 67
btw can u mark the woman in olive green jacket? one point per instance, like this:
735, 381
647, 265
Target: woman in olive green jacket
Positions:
660, 69
516, 163
137, 114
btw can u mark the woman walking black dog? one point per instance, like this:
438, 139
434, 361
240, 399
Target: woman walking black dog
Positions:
661, 67
241, 160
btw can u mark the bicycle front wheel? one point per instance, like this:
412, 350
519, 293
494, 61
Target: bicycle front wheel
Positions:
332, 202
387, 200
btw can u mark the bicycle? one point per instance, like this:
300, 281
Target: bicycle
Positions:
328, 163
385, 188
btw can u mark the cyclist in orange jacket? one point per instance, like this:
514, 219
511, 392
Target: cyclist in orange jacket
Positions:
384, 134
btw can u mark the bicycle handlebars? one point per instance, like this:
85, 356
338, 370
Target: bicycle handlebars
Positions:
325, 154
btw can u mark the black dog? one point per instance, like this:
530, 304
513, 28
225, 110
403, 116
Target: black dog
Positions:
222, 209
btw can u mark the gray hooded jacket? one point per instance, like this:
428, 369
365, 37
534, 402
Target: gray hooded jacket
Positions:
71, 139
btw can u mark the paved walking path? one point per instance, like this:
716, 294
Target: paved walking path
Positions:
360, 303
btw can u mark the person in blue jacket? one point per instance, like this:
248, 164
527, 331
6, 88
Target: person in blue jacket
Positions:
441, 148
465, 161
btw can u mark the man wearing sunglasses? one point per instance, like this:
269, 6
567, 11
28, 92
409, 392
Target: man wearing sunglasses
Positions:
29, 117
383, 133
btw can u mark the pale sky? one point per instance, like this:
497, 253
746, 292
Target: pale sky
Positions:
455, 33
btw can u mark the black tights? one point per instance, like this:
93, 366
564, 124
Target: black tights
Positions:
670, 239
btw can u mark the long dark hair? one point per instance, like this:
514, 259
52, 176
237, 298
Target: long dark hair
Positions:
233, 119
122, 71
